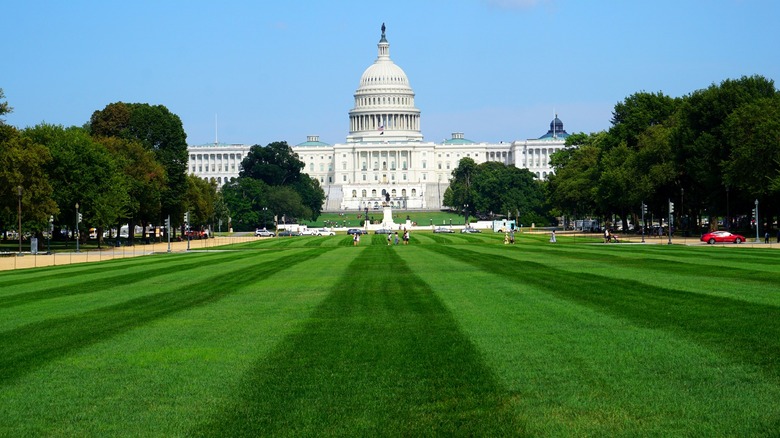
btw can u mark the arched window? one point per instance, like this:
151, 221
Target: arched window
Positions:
403, 192
392, 193
373, 193
414, 192
363, 193
354, 193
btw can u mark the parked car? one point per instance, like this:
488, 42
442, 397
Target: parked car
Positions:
308, 232
262, 232
470, 230
288, 233
442, 230
324, 232
722, 236
383, 231
354, 231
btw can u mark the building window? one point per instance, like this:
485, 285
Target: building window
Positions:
373, 193
354, 193
364, 177
404, 175
343, 165
403, 192
424, 164
344, 178
414, 192
363, 193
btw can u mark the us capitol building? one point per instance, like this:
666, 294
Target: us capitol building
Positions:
385, 152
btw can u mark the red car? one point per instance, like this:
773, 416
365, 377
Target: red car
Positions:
722, 236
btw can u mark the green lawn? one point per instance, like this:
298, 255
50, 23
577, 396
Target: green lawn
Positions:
451, 335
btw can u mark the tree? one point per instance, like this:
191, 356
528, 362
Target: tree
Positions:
461, 192
701, 147
161, 132
200, 200
23, 164
276, 165
144, 178
573, 187
245, 198
82, 171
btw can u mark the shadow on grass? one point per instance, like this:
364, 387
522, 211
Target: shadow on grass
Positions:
747, 332
380, 356
27, 348
107, 278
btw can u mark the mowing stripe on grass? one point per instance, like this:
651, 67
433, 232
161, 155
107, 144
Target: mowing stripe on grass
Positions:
722, 324
108, 278
380, 356
690, 262
29, 347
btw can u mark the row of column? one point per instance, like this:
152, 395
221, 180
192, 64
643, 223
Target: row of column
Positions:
375, 122
369, 157
537, 157
215, 162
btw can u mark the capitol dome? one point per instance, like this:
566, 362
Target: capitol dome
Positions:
384, 102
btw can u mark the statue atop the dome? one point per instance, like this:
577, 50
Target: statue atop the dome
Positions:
383, 30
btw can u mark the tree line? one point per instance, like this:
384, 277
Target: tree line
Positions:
713, 153
128, 165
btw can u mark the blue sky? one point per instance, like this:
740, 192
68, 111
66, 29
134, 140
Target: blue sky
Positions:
496, 70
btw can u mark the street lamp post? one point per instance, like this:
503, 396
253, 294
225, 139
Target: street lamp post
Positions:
265, 225
19, 192
465, 215
51, 231
365, 219
76, 231
757, 241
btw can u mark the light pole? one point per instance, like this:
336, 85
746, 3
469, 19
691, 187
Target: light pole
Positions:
19, 191
265, 209
465, 215
756, 222
76, 231
51, 231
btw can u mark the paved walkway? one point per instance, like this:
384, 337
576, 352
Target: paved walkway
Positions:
12, 261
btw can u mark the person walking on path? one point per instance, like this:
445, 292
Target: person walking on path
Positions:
396, 237
552, 237
389, 238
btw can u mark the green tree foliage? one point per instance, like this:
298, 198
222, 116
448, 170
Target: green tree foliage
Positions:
82, 171
23, 164
690, 150
200, 200
144, 178
494, 187
701, 146
158, 130
573, 189
752, 133
245, 199
277, 166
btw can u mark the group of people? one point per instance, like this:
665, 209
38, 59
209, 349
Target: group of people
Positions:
390, 236
405, 237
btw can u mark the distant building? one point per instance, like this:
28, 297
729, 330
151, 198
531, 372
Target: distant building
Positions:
384, 152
